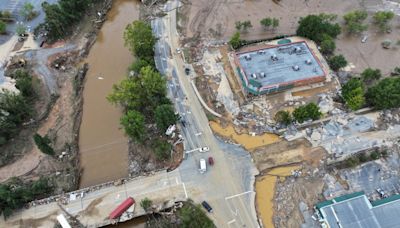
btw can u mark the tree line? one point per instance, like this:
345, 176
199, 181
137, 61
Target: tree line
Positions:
61, 17
143, 95
15, 194
16, 108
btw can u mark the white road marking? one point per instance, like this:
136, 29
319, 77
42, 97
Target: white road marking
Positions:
243, 193
184, 189
176, 180
232, 221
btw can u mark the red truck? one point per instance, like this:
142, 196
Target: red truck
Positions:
117, 212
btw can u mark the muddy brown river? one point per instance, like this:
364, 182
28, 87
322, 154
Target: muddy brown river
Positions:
103, 146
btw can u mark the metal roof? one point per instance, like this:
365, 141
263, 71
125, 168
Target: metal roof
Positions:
356, 211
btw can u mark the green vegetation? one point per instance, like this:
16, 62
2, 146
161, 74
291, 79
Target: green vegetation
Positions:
143, 96
162, 149
20, 30
317, 27
395, 72
140, 40
283, 117
382, 19
5, 15
134, 125
24, 83
235, 41
370, 75
354, 21
336, 62
43, 143
61, 17
306, 112
14, 110
385, 94
360, 158
28, 11
243, 25
268, 22
15, 194
165, 116
146, 204
328, 45
3, 27
353, 94
193, 216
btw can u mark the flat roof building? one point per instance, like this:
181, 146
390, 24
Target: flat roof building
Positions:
356, 211
277, 67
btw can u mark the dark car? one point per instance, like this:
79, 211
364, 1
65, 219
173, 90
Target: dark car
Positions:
211, 160
187, 71
207, 206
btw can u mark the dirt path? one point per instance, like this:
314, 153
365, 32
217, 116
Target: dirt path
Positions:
26, 164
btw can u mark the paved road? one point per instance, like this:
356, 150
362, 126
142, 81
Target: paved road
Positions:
228, 185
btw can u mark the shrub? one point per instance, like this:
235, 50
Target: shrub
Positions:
283, 117
374, 155
162, 149
353, 94
3, 27
306, 112
369, 75
336, 62
146, 204
235, 41
43, 143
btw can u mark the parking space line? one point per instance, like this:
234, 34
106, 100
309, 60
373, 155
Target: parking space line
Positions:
240, 194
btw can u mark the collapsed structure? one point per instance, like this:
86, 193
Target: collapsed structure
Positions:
355, 210
278, 66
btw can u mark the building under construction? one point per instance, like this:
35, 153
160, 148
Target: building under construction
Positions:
273, 68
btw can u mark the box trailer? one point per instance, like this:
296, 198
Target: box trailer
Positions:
117, 212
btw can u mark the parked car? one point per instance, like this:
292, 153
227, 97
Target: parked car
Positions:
210, 160
207, 206
204, 149
187, 71
203, 166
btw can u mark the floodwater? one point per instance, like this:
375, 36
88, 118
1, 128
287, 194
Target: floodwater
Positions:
247, 141
103, 146
265, 191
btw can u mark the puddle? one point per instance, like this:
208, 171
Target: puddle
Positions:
247, 141
265, 190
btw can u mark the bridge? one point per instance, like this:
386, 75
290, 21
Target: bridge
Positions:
91, 206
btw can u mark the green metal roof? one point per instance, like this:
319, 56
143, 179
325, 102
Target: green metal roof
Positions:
324, 204
385, 200
348, 196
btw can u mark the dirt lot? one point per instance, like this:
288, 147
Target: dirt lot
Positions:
216, 19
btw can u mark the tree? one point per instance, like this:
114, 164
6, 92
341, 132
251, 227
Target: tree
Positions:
140, 40
385, 94
246, 25
20, 29
266, 22
382, 19
369, 75
328, 46
3, 27
193, 216
162, 149
43, 143
146, 204
354, 21
315, 27
238, 25
353, 94
24, 83
165, 116
14, 110
134, 126
275, 23
235, 41
143, 92
138, 64
336, 62
28, 11
306, 112
283, 117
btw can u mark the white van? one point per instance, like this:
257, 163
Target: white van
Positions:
203, 166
